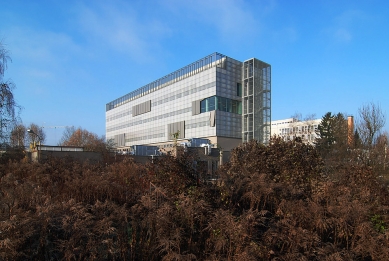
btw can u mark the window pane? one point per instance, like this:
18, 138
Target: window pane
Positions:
203, 106
211, 103
228, 105
239, 89
234, 106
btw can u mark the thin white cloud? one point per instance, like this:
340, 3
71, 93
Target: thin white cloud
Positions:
41, 46
342, 35
42, 60
285, 35
230, 17
136, 30
343, 27
120, 27
233, 20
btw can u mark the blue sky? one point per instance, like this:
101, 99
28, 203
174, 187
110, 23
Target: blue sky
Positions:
70, 58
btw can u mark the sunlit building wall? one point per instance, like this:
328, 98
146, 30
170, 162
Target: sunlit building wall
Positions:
291, 128
201, 100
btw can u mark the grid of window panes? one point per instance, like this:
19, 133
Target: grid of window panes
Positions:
220, 104
288, 129
168, 105
218, 88
256, 101
213, 60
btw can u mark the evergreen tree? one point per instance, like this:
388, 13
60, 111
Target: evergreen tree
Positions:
332, 132
340, 131
325, 132
357, 140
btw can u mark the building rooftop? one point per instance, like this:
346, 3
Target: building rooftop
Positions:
207, 62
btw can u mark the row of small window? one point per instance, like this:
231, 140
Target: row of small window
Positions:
168, 99
228, 81
308, 137
227, 133
299, 129
184, 92
221, 104
197, 125
146, 137
117, 116
162, 116
177, 96
213, 60
278, 123
229, 73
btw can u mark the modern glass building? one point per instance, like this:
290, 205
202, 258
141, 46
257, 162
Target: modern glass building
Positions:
216, 98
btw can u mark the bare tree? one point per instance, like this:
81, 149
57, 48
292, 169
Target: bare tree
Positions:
297, 116
310, 117
4, 58
8, 105
18, 136
371, 120
83, 138
380, 153
67, 134
39, 136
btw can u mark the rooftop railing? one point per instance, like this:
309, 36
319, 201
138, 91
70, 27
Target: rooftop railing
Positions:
213, 60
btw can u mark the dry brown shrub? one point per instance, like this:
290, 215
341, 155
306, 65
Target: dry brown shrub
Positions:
276, 202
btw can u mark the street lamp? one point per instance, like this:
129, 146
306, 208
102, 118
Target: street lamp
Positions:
32, 132
39, 139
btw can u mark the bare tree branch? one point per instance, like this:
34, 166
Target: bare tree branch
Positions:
8, 105
371, 120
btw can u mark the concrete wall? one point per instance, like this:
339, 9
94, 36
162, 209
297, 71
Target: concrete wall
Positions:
81, 156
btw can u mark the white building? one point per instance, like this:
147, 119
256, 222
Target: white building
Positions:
290, 128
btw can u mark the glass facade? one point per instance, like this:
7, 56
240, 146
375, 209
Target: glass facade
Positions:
220, 104
213, 60
256, 101
205, 99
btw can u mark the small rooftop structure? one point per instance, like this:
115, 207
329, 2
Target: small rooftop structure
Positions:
43, 152
59, 148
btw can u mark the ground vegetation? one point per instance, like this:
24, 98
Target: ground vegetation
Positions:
275, 202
